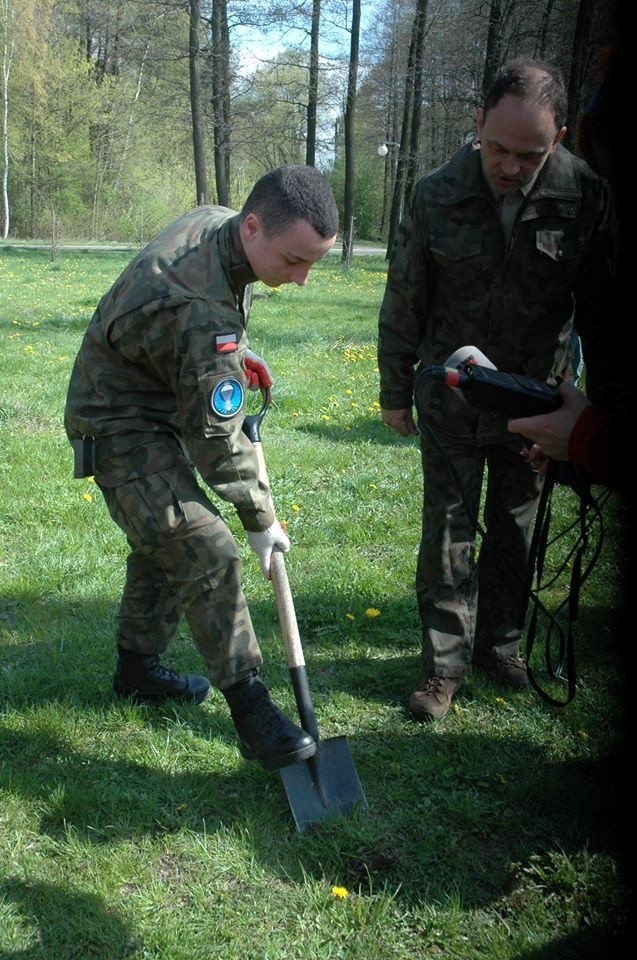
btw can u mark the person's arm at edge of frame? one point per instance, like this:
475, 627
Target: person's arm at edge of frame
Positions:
401, 320
579, 432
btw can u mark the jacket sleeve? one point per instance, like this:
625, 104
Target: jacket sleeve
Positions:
598, 312
593, 448
403, 311
212, 426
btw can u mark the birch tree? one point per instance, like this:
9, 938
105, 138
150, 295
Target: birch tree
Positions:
7, 39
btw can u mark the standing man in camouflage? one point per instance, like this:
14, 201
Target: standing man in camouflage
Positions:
157, 391
503, 248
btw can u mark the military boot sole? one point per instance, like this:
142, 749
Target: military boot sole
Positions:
143, 696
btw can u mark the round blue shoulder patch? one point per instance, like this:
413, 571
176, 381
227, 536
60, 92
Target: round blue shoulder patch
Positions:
226, 399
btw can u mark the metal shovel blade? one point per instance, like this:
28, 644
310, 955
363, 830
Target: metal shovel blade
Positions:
324, 786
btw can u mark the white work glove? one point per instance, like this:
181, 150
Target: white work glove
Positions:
256, 371
263, 542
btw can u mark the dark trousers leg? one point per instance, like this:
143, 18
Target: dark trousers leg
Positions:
513, 493
184, 552
446, 578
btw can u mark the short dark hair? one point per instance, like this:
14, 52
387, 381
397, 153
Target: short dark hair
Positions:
530, 80
293, 192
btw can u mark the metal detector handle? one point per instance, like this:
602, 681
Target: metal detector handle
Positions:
282, 593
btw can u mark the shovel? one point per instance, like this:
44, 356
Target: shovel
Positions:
327, 783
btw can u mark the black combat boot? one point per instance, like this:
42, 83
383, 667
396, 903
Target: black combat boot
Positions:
265, 733
143, 679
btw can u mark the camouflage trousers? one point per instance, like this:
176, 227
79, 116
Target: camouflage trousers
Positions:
467, 600
183, 561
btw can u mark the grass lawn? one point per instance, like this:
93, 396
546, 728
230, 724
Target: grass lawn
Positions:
138, 832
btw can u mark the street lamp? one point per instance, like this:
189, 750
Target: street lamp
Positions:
383, 150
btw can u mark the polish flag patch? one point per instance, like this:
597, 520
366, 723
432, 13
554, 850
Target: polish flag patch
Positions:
226, 343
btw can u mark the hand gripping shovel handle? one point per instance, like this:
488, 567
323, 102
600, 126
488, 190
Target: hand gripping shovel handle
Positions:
283, 594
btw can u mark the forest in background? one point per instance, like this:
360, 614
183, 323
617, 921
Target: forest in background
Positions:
118, 115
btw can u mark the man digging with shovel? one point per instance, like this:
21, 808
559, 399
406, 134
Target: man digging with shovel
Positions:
157, 391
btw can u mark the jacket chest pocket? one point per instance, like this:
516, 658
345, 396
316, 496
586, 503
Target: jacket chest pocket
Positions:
555, 245
463, 265
557, 257
462, 243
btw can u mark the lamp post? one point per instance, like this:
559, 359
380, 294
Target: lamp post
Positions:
390, 174
383, 149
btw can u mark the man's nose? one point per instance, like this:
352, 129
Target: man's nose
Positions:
299, 274
510, 165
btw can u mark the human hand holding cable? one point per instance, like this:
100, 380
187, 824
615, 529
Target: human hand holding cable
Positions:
263, 542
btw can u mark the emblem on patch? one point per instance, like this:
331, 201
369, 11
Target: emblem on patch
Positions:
227, 397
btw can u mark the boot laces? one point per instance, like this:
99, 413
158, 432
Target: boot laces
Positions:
154, 668
267, 717
433, 686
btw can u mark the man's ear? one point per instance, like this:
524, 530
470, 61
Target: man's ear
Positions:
558, 136
250, 226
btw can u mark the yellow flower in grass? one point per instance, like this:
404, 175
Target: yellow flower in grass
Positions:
372, 612
340, 893
86, 495
295, 507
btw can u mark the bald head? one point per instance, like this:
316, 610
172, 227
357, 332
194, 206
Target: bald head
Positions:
536, 83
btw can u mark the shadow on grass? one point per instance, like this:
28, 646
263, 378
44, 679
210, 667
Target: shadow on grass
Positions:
589, 944
62, 918
449, 811
452, 811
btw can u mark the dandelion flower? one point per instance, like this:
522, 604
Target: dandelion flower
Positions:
88, 497
295, 507
340, 893
372, 612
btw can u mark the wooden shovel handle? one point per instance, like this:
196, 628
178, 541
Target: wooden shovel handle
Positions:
282, 592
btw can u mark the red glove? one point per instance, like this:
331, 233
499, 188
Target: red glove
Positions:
256, 371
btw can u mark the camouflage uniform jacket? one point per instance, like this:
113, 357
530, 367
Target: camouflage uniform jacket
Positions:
452, 281
169, 331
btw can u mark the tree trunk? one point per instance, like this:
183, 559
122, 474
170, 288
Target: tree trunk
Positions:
416, 113
578, 68
415, 57
350, 109
198, 144
7, 36
544, 29
221, 99
312, 100
494, 47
